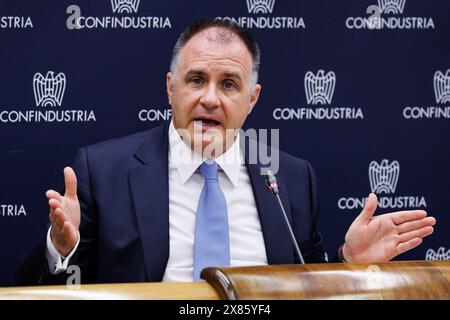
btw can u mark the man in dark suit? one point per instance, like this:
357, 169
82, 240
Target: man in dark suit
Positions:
163, 204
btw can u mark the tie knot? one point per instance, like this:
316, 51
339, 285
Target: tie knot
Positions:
209, 170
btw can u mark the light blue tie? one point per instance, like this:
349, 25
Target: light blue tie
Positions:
212, 243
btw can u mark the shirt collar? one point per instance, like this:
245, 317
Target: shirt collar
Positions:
186, 161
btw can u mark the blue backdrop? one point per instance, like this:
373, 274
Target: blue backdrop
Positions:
360, 88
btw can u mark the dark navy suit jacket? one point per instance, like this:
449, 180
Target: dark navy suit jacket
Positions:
123, 192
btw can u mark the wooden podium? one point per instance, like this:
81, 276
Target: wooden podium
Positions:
393, 280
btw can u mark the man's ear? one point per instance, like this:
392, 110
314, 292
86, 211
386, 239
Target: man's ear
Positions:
169, 83
255, 96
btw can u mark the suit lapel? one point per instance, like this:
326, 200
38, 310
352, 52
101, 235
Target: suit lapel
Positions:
279, 249
150, 194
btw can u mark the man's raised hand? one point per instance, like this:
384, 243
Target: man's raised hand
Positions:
65, 214
381, 238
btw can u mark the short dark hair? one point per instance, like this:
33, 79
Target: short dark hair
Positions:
231, 27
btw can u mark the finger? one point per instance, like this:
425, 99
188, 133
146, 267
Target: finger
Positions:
52, 194
54, 220
416, 224
405, 216
60, 218
53, 203
369, 209
51, 216
420, 233
70, 180
408, 245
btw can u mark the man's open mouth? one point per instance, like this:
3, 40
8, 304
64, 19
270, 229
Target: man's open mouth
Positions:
208, 123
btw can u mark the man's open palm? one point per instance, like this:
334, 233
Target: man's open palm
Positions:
381, 238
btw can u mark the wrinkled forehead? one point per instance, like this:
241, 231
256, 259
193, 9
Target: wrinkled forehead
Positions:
216, 47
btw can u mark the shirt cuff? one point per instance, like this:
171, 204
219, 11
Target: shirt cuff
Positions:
57, 263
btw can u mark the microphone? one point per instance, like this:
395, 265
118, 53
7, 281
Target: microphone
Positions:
273, 186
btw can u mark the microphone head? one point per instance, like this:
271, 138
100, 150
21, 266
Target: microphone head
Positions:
271, 181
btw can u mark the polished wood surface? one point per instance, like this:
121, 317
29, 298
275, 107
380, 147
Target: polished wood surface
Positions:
417, 280
137, 291
394, 280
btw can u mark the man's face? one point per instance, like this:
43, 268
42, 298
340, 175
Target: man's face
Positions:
211, 91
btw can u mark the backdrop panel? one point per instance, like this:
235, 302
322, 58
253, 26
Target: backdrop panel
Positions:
380, 122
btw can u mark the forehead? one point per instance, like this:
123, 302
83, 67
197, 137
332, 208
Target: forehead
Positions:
209, 50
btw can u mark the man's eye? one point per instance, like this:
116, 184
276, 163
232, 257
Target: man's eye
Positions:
229, 84
196, 81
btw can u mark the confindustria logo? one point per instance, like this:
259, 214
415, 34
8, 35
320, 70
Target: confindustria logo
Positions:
391, 6
319, 90
127, 19
260, 6
262, 18
125, 6
384, 176
15, 22
442, 86
12, 210
441, 83
48, 92
383, 179
151, 115
439, 255
387, 15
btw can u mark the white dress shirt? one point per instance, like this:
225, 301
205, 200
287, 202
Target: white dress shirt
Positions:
185, 185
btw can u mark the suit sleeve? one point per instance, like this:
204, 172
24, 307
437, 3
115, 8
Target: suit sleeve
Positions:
317, 238
34, 270
312, 248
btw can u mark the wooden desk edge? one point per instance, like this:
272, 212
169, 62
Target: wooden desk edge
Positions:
134, 291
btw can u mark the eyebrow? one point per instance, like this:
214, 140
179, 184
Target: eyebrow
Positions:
196, 72
232, 75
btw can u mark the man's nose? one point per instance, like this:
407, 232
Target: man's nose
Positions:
210, 98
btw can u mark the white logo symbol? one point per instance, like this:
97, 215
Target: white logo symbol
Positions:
260, 6
391, 6
383, 177
442, 86
319, 88
125, 6
49, 90
374, 277
441, 254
